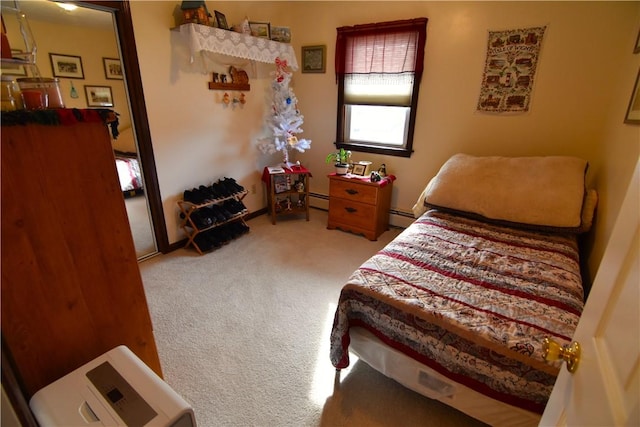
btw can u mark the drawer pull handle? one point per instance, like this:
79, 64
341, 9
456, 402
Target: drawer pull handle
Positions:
351, 191
351, 210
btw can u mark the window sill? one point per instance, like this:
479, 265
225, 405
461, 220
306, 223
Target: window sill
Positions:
386, 151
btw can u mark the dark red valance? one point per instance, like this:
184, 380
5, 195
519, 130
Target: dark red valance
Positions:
392, 34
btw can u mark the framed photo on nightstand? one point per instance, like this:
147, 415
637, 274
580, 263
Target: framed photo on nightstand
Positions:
359, 169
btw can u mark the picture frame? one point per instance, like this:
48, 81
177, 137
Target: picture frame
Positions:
13, 67
260, 29
112, 69
314, 59
633, 110
281, 183
67, 66
281, 34
98, 96
359, 169
221, 20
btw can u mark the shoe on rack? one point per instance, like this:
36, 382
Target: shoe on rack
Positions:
202, 219
231, 183
221, 189
203, 242
216, 210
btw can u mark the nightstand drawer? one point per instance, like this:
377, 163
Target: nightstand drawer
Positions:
353, 191
352, 213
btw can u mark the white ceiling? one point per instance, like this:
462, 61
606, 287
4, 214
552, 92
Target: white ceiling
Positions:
49, 11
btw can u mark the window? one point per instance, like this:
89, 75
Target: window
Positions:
378, 70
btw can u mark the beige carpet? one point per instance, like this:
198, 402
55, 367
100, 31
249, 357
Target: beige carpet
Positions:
243, 332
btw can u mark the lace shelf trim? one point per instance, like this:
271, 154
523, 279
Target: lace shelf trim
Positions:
203, 38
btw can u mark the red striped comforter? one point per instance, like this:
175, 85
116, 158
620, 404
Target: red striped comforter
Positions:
471, 300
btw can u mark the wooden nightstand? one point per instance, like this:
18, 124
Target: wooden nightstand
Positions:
359, 206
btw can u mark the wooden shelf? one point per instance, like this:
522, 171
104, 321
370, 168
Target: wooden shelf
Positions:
229, 86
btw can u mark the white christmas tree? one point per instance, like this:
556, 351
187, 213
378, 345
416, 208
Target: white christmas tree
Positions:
285, 119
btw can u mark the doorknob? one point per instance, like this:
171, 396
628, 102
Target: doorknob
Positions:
568, 353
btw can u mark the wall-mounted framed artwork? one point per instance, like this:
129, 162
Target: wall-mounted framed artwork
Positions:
112, 68
633, 111
98, 96
68, 66
314, 59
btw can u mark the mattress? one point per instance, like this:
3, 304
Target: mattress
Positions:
428, 382
472, 301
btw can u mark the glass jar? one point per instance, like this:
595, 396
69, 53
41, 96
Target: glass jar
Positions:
50, 88
11, 99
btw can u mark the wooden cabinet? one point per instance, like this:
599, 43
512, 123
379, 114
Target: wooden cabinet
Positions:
287, 192
359, 206
71, 285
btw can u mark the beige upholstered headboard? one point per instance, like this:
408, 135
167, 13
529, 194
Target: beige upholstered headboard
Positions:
538, 191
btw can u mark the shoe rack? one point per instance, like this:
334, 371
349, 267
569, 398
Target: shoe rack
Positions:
213, 215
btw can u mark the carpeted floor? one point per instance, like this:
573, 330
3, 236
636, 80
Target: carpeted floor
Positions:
243, 332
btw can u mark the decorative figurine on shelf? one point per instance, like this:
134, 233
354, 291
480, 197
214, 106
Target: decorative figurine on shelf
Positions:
195, 12
226, 99
299, 186
382, 170
243, 98
375, 177
288, 203
238, 76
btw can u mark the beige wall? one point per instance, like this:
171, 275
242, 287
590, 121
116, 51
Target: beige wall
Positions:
585, 77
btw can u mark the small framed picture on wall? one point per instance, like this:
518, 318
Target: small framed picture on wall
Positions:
313, 59
68, 66
98, 96
112, 68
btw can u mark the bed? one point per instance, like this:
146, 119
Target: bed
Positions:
127, 163
129, 173
456, 307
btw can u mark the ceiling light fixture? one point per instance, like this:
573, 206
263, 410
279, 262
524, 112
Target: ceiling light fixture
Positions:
67, 6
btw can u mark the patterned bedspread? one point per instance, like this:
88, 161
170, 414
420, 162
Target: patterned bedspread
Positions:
472, 301
129, 173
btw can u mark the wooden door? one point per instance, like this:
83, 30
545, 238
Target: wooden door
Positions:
604, 390
71, 286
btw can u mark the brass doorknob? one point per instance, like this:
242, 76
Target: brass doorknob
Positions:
568, 353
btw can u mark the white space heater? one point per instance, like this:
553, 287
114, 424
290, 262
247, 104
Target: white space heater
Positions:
115, 389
